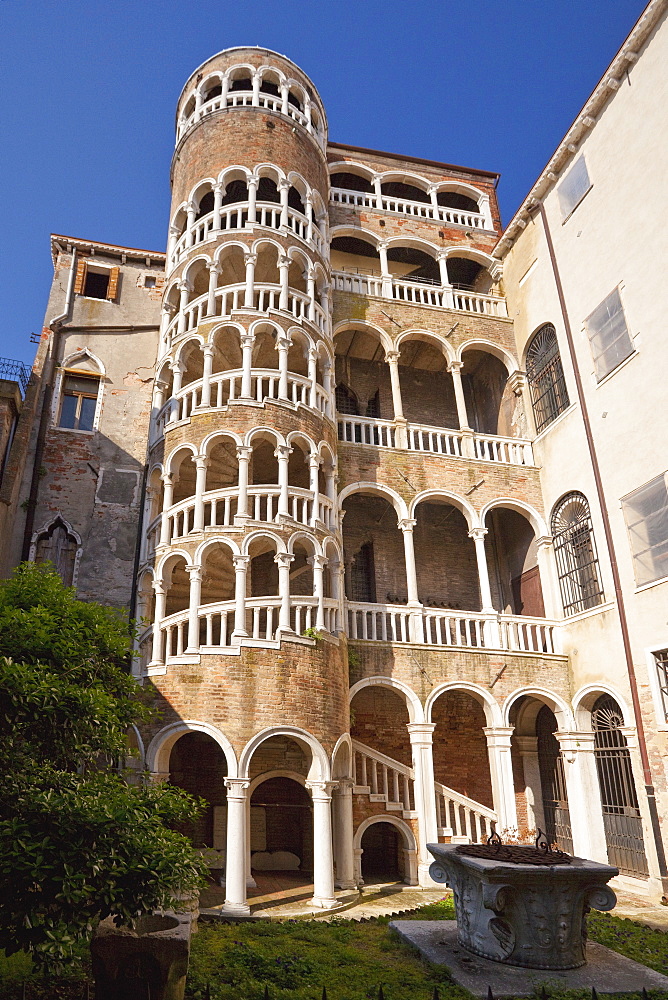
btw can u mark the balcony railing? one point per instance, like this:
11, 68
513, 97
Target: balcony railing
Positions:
435, 440
436, 627
244, 99
422, 293
15, 371
235, 216
404, 206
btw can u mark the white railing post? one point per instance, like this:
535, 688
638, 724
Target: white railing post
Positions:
167, 501
244, 453
421, 737
283, 345
250, 260
342, 807
501, 771
283, 560
214, 271
207, 352
282, 453
201, 465
401, 433
195, 574
218, 195
323, 861
284, 190
247, 340
159, 614
284, 280
235, 854
252, 200
240, 570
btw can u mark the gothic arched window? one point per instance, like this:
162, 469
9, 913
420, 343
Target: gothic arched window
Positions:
575, 552
545, 373
59, 545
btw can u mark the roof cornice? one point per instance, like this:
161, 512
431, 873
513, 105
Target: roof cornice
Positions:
108, 248
584, 122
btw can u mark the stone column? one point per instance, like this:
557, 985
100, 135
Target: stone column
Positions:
252, 200
309, 217
283, 560
584, 795
416, 621
323, 873
201, 465
377, 189
167, 500
501, 771
478, 536
247, 340
313, 378
284, 98
283, 190
218, 195
244, 453
235, 854
225, 87
250, 260
160, 601
195, 574
214, 271
282, 453
310, 286
283, 345
172, 240
177, 376
207, 352
528, 750
190, 222
185, 289
392, 358
484, 208
240, 570
318, 563
421, 736
327, 386
314, 462
432, 191
342, 806
255, 99
548, 578
455, 369
443, 268
385, 271
284, 280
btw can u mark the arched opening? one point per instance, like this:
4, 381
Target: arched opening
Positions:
295, 200
301, 574
575, 554
264, 463
469, 275
490, 403
298, 470
297, 273
382, 857
58, 545
373, 551
212, 89
354, 255
621, 814
298, 354
427, 390
363, 386
294, 100
192, 362
231, 258
217, 575
347, 181
378, 719
461, 760
198, 765
227, 357
270, 84
545, 374
413, 264
266, 268
145, 598
236, 190
223, 469
281, 837
240, 80
198, 277
445, 559
460, 202
512, 559
177, 586
264, 354
263, 568
554, 797
267, 191
184, 475
407, 192
204, 205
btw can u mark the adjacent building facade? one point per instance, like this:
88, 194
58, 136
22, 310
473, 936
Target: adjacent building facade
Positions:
382, 483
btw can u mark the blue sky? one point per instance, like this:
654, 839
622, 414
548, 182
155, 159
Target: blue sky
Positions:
89, 91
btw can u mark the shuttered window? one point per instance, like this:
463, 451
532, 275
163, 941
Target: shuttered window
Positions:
96, 282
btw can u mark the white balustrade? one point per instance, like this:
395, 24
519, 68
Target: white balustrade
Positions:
382, 776
357, 282
434, 439
459, 816
443, 627
366, 430
404, 206
511, 451
422, 293
244, 99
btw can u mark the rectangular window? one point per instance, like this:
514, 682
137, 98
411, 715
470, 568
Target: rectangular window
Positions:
608, 335
646, 513
79, 401
574, 187
661, 661
96, 282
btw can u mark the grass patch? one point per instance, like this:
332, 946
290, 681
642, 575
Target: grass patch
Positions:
636, 941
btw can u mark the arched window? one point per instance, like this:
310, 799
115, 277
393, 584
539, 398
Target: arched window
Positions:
79, 392
58, 544
575, 552
346, 400
545, 373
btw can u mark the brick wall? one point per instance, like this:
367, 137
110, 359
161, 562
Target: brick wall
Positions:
378, 719
460, 746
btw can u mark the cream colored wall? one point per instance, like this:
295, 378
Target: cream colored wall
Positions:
616, 236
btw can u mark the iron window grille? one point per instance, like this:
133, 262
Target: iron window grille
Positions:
575, 553
549, 395
661, 661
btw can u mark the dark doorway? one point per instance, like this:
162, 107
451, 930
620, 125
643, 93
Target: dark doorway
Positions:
288, 818
553, 782
381, 846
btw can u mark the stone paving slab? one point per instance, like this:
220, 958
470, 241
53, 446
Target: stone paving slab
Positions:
606, 970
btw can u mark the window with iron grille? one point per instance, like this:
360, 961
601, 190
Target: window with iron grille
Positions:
363, 575
661, 660
346, 400
549, 395
646, 513
608, 335
575, 553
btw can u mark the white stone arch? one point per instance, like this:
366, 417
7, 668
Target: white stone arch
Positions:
460, 187
413, 703
215, 74
301, 333
214, 436
302, 436
490, 705
504, 356
300, 184
222, 251
190, 266
460, 503
268, 68
555, 702
295, 253
240, 67
235, 172
362, 326
319, 770
92, 359
141, 763
358, 232
351, 167
536, 520
329, 542
403, 827
168, 557
427, 337
264, 241
271, 170
183, 207
218, 540
183, 446
192, 338
416, 243
295, 85
160, 747
343, 747
45, 529
279, 773
206, 182
378, 490
309, 541
270, 432
263, 533
405, 177
583, 702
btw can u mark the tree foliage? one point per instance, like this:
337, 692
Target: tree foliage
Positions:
77, 842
